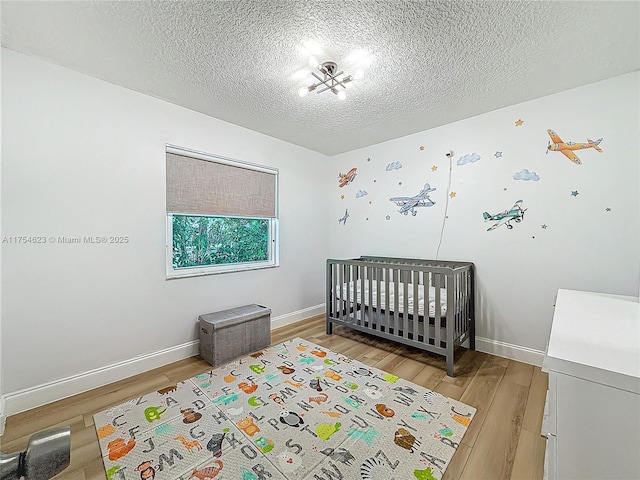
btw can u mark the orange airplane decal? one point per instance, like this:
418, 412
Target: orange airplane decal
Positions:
346, 178
567, 148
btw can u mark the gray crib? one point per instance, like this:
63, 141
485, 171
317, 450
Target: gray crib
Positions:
427, 304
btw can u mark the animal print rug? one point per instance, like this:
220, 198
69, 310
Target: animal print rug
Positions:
293, 411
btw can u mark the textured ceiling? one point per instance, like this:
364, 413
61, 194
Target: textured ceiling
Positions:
429, 62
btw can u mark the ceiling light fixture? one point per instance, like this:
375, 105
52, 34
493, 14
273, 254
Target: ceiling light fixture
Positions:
330, 80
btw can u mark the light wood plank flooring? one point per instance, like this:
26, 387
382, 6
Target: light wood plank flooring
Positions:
503, 440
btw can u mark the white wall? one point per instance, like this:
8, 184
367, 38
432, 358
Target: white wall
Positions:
584, 247
84, 157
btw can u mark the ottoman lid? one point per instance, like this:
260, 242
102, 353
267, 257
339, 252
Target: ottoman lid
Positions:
234, 316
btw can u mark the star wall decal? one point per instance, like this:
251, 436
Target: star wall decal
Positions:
498, 154
544, 226
575, 193
368, 159
421, 147
608, 209
388, 217
519, 122
341, 197
434, 168
452, 194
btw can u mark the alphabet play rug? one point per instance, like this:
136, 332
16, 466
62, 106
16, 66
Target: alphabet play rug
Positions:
293, 411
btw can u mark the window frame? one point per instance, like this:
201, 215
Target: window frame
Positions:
273, 237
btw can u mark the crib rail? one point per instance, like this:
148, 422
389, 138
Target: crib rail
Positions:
423, 303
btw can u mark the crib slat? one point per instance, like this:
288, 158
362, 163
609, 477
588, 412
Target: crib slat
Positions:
396, 302
347, 279
416, 304
451, 288
426, 280
375, 296
437, 311
347, 293
405, 309
363, 295
354, 297
385, 305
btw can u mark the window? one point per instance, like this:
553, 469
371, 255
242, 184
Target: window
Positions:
221, 214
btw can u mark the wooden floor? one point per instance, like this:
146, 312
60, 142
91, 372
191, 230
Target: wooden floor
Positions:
503, 440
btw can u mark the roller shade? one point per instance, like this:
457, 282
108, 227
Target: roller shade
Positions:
207, 187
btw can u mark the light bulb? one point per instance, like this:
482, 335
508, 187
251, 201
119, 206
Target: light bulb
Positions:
313, 62
303, 91
359, 74
342, 95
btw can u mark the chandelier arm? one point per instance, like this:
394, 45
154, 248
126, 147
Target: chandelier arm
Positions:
341, 83
327, 85
330, 79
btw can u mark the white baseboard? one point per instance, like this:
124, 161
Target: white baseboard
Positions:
2, 415
293, 317
32, 397
510, 351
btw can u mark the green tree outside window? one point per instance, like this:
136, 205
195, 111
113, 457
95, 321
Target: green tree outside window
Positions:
200, 241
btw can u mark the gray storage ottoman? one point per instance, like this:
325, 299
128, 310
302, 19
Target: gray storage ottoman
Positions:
229, 334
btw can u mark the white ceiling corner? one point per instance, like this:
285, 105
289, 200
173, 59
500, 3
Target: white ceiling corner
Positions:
432, 62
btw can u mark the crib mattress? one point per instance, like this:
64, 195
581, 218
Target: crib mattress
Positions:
379, 298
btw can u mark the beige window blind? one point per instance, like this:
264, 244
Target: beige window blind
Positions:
207, 187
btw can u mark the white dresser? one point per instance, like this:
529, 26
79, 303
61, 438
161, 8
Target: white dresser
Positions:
592, 414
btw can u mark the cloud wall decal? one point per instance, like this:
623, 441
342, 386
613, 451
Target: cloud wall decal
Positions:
468, 158
394, 166
526, 175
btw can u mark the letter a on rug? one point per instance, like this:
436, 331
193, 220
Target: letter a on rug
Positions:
293, 411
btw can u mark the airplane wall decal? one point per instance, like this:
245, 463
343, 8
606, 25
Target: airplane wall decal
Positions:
567, 148
515, 214
344, 219
346, 178
409, 204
